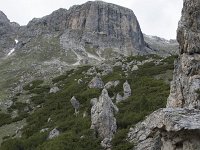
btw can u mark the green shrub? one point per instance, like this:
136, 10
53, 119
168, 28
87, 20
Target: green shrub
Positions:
119, 141
12, 144
5, 119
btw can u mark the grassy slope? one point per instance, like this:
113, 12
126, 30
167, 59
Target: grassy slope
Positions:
148, 94
40, 57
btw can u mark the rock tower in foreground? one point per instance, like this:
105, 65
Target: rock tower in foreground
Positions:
177, 127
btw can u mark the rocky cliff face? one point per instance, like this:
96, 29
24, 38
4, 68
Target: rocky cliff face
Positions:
176, 127
186, 82
95, 24
7, 31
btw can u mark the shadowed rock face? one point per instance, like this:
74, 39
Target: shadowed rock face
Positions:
177, 126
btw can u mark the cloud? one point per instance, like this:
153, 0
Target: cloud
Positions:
156, 17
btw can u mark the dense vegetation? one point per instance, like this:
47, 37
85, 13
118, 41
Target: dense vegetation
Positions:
54, 110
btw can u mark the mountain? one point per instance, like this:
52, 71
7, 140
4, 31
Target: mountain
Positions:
99, 24
177, 125
161, 46
84, 34
77, 78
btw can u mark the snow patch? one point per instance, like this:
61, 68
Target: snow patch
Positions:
11, 51
93, 56
77, 63
78, 59
16, 41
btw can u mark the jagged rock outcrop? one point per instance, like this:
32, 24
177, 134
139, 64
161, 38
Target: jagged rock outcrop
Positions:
168, 129
126, 92
186, 80
177, 126
6, 27
102, 118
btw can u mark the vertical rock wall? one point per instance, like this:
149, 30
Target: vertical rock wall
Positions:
177, 126
186, 80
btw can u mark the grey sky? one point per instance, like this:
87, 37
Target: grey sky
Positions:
156, 17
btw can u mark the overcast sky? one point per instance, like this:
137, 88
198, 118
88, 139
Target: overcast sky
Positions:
156, 17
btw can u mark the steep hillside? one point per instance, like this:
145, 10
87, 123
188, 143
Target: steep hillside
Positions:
49, 105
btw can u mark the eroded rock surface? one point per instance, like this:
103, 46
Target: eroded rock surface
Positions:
103, 119
168, 129
186, 80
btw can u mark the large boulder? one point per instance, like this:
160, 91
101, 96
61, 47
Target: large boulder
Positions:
168, 129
